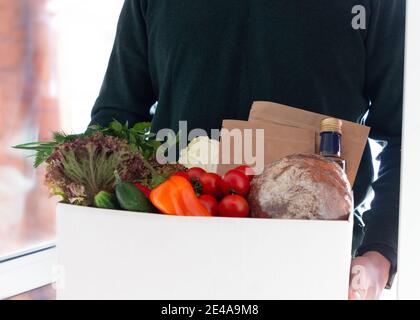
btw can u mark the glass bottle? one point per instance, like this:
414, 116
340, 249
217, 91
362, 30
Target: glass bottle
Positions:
331, 133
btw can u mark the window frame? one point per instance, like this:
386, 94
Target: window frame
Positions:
29, 269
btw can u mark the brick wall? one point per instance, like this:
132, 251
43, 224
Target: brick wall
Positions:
26, 68
28, 111
12, 49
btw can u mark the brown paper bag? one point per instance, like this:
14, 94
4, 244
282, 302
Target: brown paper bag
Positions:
354, 137
278, 141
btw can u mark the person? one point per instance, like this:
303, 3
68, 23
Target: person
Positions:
205, 61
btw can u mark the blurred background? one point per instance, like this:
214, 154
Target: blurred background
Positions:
53, 55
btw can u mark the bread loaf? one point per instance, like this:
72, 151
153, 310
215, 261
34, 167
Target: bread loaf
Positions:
302, 187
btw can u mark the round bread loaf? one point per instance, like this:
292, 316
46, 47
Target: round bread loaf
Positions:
302, 187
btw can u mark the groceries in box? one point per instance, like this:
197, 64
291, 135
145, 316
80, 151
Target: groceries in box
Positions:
298, 165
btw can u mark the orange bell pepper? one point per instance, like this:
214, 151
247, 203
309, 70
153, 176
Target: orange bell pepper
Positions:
176, 196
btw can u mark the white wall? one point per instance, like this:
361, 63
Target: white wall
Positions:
409, 250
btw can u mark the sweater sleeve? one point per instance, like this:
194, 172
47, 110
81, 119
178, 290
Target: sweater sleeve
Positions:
127, 93
384, 87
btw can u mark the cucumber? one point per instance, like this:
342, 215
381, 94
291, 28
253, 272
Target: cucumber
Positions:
132, 199
105, 200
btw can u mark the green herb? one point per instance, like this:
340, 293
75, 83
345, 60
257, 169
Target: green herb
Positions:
139, 137
82, 165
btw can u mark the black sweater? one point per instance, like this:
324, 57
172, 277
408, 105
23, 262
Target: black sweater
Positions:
205, 61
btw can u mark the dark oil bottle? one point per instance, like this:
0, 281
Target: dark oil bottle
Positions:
331, 133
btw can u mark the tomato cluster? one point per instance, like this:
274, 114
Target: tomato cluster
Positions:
222, 196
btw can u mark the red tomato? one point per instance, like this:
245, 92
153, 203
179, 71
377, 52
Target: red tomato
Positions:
236, 182
182, 174
194, 174
234, 206
247, 170
210, 203
211, 184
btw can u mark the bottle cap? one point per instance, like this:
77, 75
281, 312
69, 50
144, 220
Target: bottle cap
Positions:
332, 125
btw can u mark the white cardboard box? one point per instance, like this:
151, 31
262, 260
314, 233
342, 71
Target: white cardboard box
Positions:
123, 255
